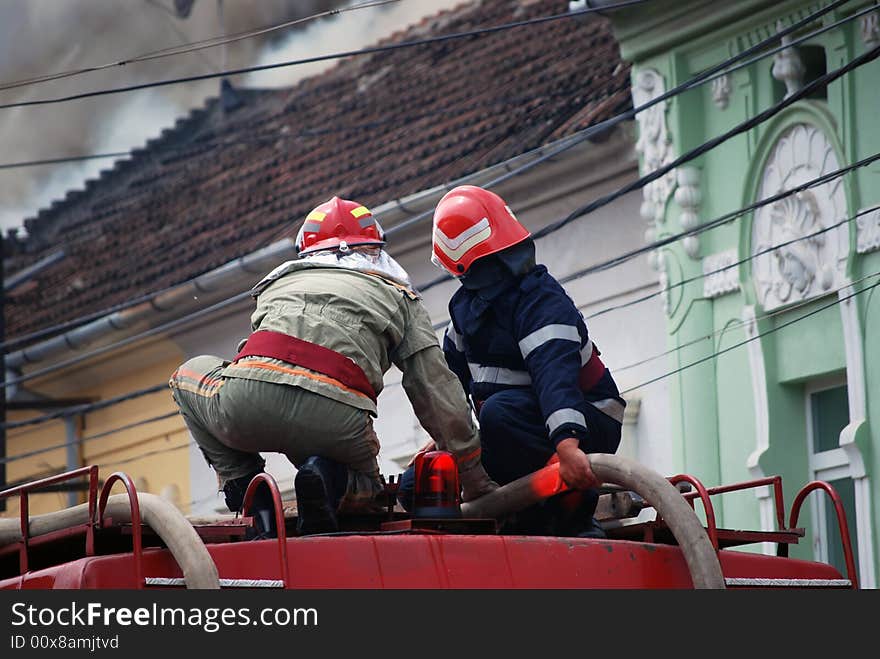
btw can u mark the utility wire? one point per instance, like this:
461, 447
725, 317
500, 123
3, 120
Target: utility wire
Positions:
772, 330
320, 58
83, 440
740, 128
683, 282
184, 48
86, 407
276, 135
724, 268
159, 329
723, 219
713, 72
763, 116
717, 71
714, 355
740, 324
820, 180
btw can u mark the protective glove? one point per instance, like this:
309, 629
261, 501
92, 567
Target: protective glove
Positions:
430, 446
475, 482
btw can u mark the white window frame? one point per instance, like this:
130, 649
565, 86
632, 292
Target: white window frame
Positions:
829, 465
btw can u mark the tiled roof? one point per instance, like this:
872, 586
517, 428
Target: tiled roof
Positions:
224, 182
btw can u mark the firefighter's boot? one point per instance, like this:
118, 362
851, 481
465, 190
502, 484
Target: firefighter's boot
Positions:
262, 506
317, 484
574, 515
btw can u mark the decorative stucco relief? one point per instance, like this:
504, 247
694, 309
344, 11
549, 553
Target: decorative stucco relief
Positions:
870, 28
788, 68
720, 274
655, 147
796, 256
689, 197
721, 91
868, 224
654, 143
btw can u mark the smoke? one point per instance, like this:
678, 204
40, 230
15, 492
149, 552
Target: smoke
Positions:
342, 32
46, 36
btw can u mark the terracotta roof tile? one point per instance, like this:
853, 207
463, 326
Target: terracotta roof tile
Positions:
218, 185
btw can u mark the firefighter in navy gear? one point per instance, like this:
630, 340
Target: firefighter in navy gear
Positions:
523, 354
326, 328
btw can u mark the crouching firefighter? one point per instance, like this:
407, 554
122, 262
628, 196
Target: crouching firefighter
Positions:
521, 350
326, 328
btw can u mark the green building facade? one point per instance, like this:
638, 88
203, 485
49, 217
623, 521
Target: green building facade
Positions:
776, 327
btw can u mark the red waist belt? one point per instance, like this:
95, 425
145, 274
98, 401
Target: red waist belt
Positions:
265, 343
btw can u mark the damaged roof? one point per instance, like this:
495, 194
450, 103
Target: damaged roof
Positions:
242, 171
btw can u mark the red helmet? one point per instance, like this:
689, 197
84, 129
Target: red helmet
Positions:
338, 224
470, 223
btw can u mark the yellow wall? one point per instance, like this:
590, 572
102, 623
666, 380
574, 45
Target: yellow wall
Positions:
154, 455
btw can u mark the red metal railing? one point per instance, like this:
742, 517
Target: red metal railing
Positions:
703, 493
136, 532
706, 492
266, 478
25, 490
841, 522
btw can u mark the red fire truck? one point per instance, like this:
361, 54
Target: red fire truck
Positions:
655, 539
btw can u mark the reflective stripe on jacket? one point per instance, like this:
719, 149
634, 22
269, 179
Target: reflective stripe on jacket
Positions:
529, 335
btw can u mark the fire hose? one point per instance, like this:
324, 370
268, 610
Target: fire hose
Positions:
700, 556
185, 545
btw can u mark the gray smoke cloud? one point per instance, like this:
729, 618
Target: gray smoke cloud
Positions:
46, 36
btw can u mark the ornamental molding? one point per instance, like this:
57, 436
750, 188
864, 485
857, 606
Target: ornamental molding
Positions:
868, 228
722, 88
797, 256
720, 274
654, 144
768, 29
870, 29
689, 197
788, 68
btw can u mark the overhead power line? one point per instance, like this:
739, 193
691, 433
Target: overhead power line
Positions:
90, 438
740, 128
722, 68
837, 301
729, 266
181, 49
772, 330
320, 58
87, 407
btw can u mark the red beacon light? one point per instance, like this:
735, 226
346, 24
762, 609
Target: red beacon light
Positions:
437, 486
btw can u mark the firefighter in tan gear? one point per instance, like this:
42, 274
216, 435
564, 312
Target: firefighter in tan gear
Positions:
326, 328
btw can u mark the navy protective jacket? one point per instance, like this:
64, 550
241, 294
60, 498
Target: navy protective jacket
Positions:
530, 335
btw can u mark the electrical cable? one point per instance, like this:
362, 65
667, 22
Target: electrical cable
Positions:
706, 76
740, 324
86, 407
740, 128
762, 252
663, 291
159, 329
771, 330
722, 69
810, 88
278, 135
320, 58
709, 74
187, 47
714, 355
89, 438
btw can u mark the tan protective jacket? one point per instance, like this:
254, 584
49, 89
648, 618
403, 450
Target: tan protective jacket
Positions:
375, 322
